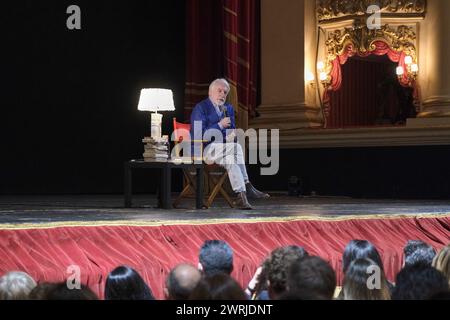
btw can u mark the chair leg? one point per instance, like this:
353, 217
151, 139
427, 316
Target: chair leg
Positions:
189, 188
217, 188
183, 193
227, 197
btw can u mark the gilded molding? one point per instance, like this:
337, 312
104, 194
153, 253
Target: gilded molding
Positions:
334, 9
401, 38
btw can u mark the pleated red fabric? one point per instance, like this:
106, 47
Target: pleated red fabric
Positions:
46, 253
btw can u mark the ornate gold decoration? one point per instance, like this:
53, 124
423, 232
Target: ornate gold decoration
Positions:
362, 39
333, 9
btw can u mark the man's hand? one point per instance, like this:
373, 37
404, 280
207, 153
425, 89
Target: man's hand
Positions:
231, 134
225, 122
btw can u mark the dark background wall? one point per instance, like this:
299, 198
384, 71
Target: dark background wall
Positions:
69, 114
396, 172
69, 98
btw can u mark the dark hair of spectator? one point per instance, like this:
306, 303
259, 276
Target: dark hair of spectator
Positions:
41, 291
276, 267
125, 283
216, 256
219, 286
357, 249
419, 282
60, 291
313, 275
360, 274
417, 251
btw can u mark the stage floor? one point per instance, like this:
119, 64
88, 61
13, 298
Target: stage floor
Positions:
104, 209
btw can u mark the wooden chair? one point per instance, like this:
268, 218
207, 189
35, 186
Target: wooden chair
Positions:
216, 175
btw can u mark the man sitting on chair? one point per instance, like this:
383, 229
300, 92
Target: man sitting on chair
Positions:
215, 113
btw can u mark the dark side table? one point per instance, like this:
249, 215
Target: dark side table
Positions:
165, 188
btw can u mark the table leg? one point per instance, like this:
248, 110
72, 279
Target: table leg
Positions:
166, 187
128, 185
199, 191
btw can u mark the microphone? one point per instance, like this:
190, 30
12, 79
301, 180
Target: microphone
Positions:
223, 108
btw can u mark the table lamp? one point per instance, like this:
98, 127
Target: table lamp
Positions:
156, 100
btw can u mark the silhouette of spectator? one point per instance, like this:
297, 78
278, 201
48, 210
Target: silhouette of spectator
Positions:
357, 280
218, 286
125, 283
216, 256
181, 281
16, 285
419, 282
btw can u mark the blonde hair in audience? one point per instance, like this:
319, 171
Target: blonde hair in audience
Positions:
441, 262
16, 285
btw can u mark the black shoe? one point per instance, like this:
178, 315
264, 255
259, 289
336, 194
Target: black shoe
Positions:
253, 193
242, 202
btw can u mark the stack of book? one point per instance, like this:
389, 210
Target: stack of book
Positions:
156, 149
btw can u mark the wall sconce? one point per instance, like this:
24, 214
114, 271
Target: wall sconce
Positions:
323, 74
310, 79
411, 69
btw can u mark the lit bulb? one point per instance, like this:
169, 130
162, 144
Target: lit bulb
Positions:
408, 60
310, 76
400, 71
323, 76
414, 68
320, 65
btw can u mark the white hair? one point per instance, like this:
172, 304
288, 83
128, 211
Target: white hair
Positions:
219, 81
16, 285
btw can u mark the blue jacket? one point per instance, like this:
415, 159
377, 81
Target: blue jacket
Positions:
206, 113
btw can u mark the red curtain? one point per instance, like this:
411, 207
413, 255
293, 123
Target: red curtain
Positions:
222, 41
46, 253
381, 49
204, 49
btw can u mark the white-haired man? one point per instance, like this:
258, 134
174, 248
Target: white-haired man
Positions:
217, 116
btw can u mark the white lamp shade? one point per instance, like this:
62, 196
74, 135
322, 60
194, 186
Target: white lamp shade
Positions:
400, 71
156, 100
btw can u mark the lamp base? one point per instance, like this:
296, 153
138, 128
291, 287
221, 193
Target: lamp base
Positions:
156, 125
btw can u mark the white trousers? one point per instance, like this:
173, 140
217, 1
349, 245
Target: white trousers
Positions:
231, 157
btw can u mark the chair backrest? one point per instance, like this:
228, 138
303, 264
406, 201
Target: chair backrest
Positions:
181, 131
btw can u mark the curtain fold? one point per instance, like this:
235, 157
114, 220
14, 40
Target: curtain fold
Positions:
46, 253
223, 41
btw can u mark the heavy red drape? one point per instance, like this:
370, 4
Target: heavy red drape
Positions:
46, 253
381, 49
222, 40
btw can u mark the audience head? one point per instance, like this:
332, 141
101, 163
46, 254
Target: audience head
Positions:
60, 291
181, 281
417, 251
276, 267
313, 277
419, 282
216, 256
364, 280
125, 283
442, 262
358, 249
41, 291
16, 285
218, 286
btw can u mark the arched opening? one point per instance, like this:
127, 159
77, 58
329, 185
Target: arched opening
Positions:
371, 87
370, 95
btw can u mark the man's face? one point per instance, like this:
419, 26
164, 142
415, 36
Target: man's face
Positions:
218, 94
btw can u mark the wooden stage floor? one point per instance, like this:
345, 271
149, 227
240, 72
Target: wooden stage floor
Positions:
38, 210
